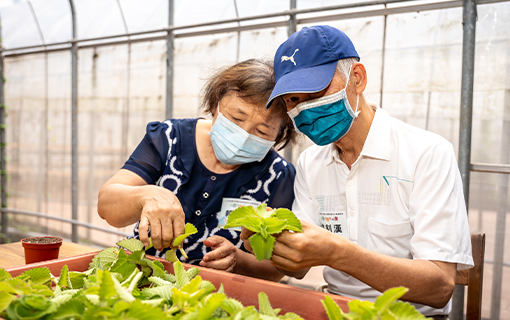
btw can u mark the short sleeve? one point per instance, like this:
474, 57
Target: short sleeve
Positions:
149, 158
437, 210
282, 190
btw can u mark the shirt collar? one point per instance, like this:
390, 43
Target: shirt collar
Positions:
378, 143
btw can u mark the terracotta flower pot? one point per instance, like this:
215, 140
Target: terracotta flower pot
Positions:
41, 248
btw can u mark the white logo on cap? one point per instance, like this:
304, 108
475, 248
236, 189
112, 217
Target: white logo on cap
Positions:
291, 58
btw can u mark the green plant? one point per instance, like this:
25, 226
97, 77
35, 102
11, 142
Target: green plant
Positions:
385, 307
121, 285
264, 223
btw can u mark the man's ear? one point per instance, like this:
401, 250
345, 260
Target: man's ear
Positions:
361, 77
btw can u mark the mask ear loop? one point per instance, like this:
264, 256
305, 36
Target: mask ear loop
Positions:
356, 113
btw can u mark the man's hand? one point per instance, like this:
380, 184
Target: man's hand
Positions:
297, 251
223, 254
162, 212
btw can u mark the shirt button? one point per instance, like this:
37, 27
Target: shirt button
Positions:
351, 213
213, 178
198, 212
351, 183
206, 195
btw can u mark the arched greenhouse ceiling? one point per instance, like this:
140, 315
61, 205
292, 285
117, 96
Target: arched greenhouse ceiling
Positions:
99, 18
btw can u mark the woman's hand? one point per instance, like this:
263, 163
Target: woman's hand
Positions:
245, 235
162, 212
223, 255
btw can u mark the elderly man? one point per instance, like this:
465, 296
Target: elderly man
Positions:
380, 201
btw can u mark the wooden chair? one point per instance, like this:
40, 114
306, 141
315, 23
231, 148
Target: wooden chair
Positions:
473, 278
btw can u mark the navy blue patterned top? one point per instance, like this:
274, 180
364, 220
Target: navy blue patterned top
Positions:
167, 157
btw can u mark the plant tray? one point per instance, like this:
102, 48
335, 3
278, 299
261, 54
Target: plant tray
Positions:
304, 302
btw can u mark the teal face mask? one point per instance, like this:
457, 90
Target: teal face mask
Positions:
326, 119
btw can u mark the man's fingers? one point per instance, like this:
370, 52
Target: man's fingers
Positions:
178, 224
156, 235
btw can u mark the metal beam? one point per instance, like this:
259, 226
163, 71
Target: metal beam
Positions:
3, 173
489, 167
466, 121
74, 126
170, 62
292, 28
71, 221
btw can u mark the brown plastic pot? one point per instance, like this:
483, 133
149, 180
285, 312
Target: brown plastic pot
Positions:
304, 302
37, 252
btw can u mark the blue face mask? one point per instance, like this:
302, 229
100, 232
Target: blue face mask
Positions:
232, 145
326, 119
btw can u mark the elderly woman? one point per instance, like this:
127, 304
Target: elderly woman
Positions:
198, 171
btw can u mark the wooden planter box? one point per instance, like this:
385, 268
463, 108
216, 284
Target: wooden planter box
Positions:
304, 302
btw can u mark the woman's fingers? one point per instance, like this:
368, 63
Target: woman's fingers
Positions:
222, 256
245, 235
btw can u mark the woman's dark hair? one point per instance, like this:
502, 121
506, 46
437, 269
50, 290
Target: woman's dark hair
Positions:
252, 80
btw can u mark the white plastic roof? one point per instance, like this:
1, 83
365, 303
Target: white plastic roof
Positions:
98, 18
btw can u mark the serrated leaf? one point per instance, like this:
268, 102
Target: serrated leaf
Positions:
192, 272
131, 244
332, 309
383, 302
124, 267
5, 299
180, 274
73, 309
262, 248
293, 222
405, 311
275, 225
212, 303
208, 287
250, 223
160, 282
106, 286
189, 229
77, 279
137, 257
171, 255
164, 292
169, 277
64, 280
232, 306
241, 212
262, 212
291, 316
36, 275
265, 306
104, 258
4, 275
141, 311
192, 286
121, 292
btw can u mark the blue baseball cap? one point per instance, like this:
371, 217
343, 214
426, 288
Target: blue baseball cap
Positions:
307, 60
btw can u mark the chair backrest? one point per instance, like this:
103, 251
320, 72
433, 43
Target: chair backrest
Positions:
473, 278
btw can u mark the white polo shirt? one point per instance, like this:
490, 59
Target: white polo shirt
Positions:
403, 197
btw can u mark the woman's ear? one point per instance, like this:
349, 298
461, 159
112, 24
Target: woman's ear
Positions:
361, 77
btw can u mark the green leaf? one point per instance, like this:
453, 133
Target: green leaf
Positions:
212, 303
4, 275
293, 222
262, 248
232, 306
30, 307
332, 309
241, 212
150, 244
131, 244
121, 292
405, 311
180, 274
251, 223
383, 302
36, 275
72, 309
192, 286
192, 272
291, 316
265, 306
189, 229
171, 256
106, 287
5, 299
77, 279
64, 280
141, 311
275, 225
262, 212
104, 258
164, 292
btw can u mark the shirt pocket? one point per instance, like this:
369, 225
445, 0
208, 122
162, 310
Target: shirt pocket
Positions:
390, 239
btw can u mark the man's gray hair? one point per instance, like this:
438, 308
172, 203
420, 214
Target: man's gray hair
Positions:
344, 66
